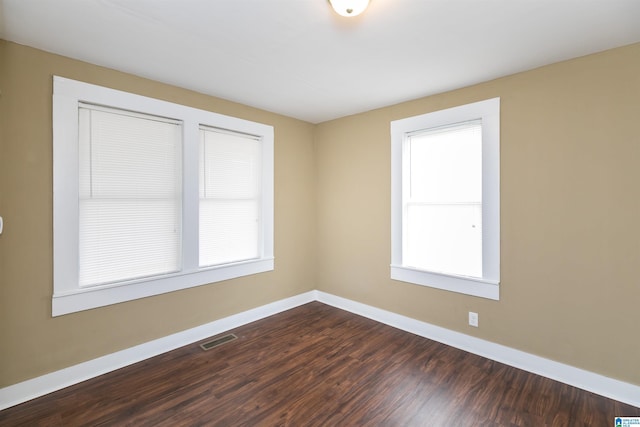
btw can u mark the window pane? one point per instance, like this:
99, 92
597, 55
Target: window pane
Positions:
130, 196
446, 164
120, 240
445, 238
228, 231
229, 197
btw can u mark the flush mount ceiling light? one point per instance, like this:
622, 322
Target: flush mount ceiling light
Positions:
349, 7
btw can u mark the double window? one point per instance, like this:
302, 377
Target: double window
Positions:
152, 197
445, 199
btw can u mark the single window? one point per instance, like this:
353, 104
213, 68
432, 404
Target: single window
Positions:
229, 197
130, 196
152, 197
445, 199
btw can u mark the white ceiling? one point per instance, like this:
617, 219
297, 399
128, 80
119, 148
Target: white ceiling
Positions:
299, 58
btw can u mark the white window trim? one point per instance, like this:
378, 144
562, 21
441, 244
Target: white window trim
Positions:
68, 297
489, 285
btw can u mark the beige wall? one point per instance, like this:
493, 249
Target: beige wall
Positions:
570, 212
32, 343
570, 239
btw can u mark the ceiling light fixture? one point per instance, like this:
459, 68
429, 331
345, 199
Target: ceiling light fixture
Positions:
349, 7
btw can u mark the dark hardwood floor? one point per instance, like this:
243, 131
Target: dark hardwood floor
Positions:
317, 365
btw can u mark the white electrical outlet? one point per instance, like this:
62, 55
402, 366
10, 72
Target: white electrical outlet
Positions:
473, 319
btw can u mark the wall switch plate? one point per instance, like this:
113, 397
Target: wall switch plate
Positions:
473, 319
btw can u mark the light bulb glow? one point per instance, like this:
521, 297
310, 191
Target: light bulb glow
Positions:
349, 7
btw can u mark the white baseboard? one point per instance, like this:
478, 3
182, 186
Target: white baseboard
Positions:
585, 380
595, 383
39, 386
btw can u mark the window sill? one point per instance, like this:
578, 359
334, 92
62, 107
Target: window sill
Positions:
465, 285
99, 296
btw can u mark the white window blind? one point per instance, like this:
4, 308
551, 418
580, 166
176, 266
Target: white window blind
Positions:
230, 205
129, 195
443, 200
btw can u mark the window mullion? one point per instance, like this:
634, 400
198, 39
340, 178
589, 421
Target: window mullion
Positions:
190, 197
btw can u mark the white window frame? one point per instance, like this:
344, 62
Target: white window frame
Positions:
489, 285
68, 296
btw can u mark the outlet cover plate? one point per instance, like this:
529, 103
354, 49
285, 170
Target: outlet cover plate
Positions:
473, 319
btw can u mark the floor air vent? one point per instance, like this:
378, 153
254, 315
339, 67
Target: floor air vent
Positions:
217, 341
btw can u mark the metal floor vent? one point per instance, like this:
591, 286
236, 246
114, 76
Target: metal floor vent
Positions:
217, 341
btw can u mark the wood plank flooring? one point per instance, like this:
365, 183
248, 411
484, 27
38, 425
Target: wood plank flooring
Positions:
316, 365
